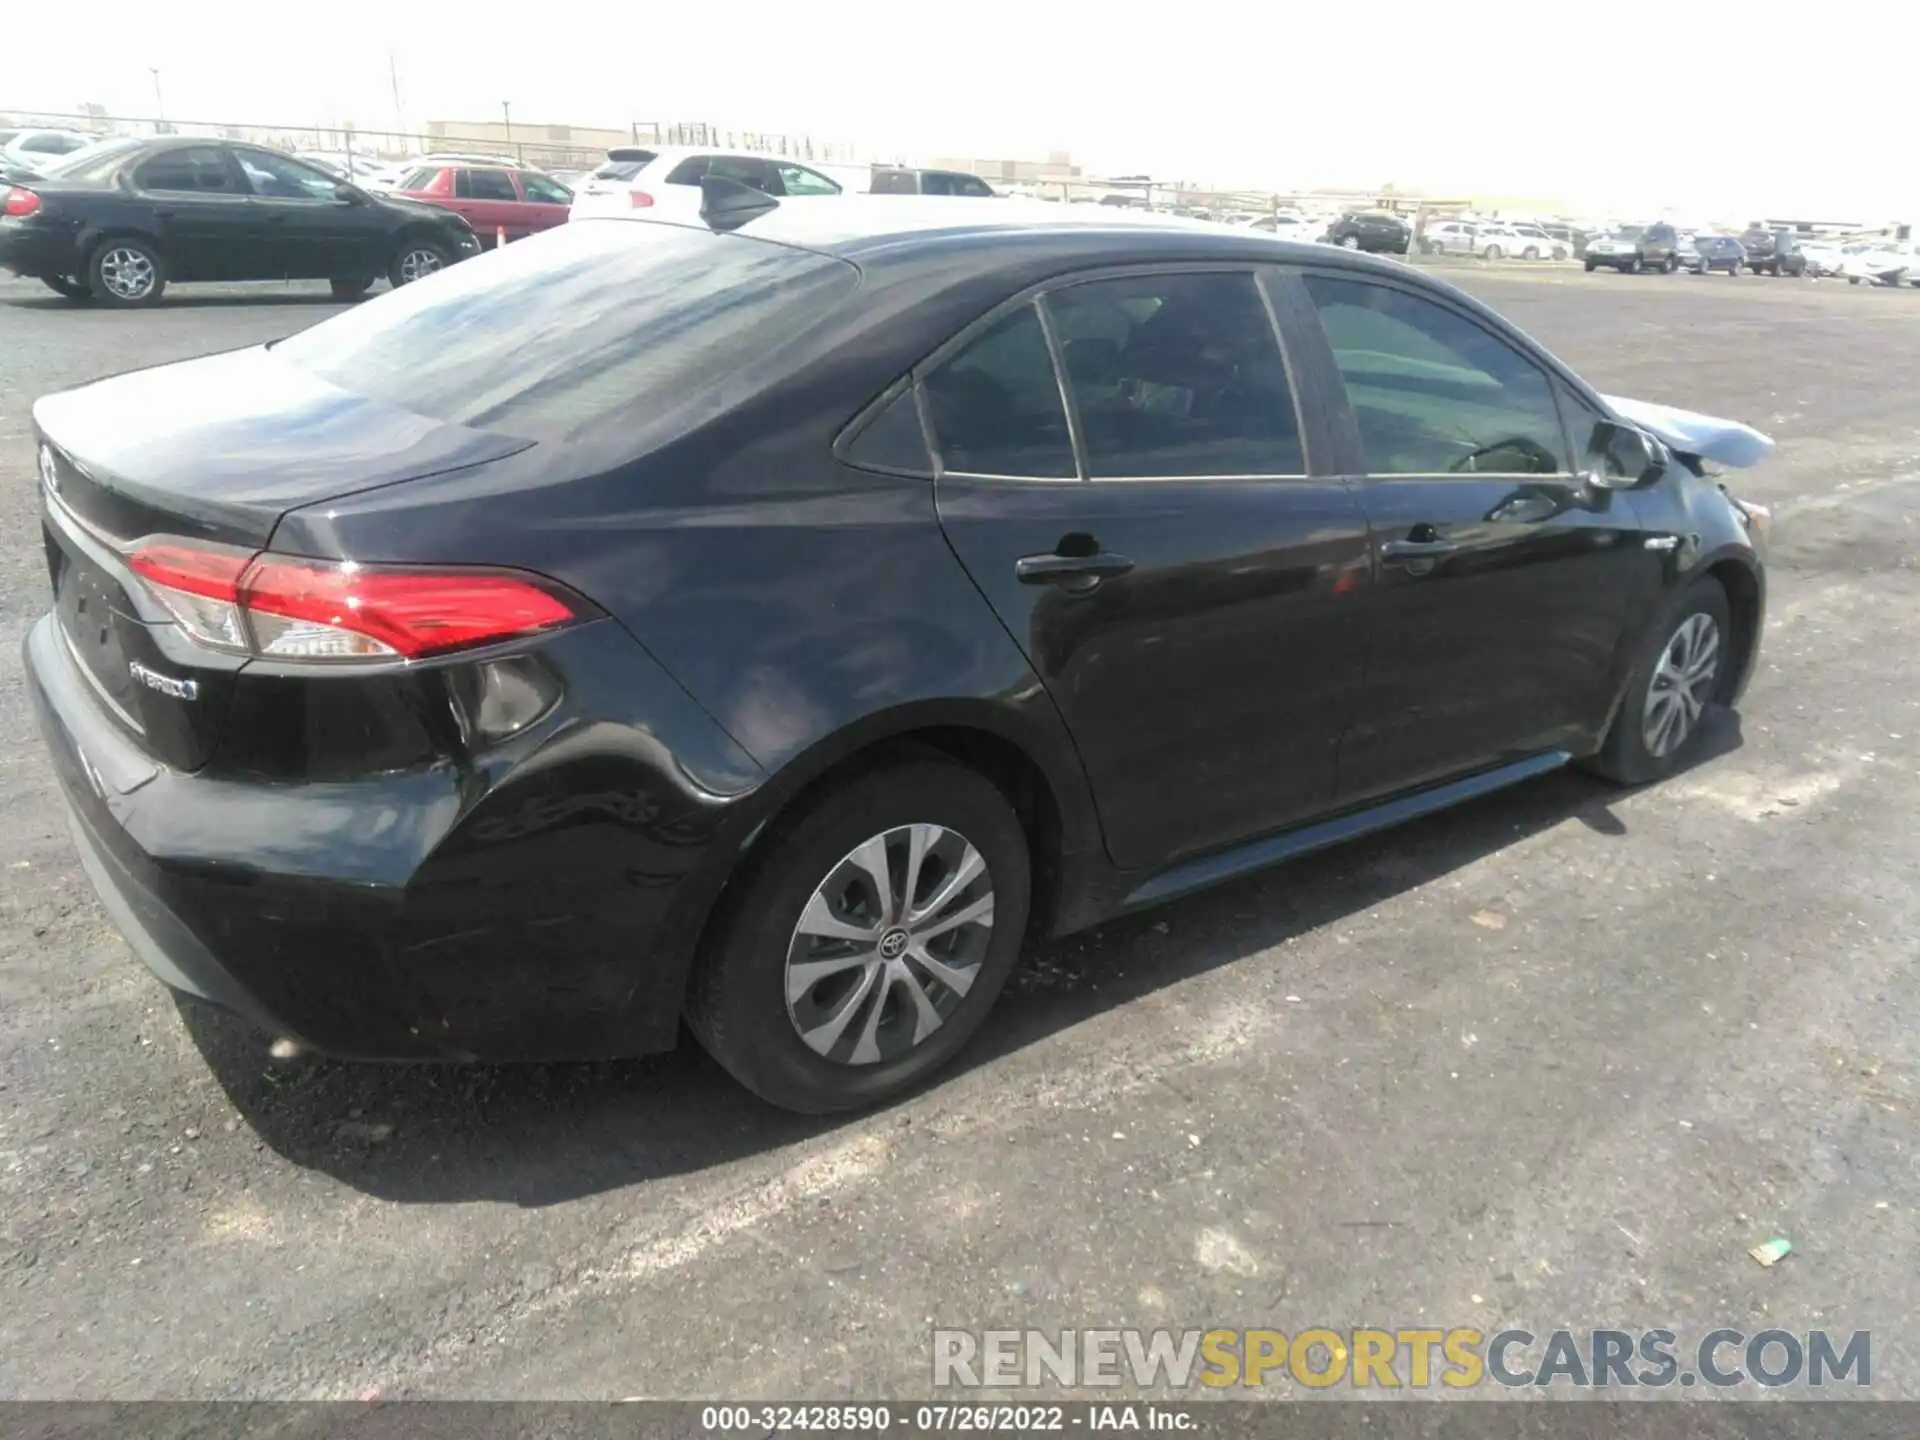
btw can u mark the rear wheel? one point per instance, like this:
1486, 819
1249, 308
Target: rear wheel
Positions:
1673, 263
1675, 678
1492, 252
867, 941
126, 272
1532, 252
415, 260
66, 288
1632, 267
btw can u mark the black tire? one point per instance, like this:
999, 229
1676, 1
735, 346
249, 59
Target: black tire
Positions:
65, 288
409, 263
1592, 265
1632, 267
737, 1000
1532, 252
1559, 252
1625, 757
1492, 252
126, 273
351, 289
1673, 263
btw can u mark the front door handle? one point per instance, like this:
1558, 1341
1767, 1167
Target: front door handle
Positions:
1074, 572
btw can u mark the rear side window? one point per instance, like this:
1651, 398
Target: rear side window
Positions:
1176, 375
996, 405
484, 185
419, 179
196, 168
592, 330
894, 182
1434, 393
690, 171
628, 165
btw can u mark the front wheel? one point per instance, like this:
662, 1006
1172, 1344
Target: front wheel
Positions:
1591, 266
66, 289
1676, 677
1350, 242
416, 260
127, 273
868, 940
1492, 252
1532, 252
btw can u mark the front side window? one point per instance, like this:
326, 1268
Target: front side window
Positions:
198, 169
484, 185
1433, 392
542, 191
798, 180
1177, 375
996, 405
275, 177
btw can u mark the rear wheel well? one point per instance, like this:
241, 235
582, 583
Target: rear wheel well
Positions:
1009, 768
1743, 604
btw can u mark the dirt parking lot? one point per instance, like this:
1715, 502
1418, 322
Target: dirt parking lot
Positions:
1558, 1058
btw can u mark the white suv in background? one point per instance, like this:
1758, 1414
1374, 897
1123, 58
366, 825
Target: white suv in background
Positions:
665, 180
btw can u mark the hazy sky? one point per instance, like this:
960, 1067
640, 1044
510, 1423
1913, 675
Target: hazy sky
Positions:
1716, 110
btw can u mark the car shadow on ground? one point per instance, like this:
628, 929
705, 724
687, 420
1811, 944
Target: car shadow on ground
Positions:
540, 1134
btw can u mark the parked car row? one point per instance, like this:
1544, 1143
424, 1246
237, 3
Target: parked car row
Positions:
119, 220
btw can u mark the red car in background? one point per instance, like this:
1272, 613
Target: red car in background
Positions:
519, 202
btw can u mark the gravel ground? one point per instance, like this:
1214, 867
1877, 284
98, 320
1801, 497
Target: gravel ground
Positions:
1556, 1058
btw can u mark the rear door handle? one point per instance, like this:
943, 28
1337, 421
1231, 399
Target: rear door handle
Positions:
1417, 549
1076, 572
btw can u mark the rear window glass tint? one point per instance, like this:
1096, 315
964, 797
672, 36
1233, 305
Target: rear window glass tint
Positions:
893, 439
587, 330
997, 408
689, 172
624, 169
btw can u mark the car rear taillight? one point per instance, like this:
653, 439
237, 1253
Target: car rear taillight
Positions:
20, 203
288, 608
640, 199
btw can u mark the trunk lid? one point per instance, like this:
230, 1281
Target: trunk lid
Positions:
214, 450
221, 448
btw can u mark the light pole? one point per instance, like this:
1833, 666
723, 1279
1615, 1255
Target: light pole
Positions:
159, 104
506, 113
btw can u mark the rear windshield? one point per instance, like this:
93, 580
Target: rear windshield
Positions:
91, 162
628, 164
588, 330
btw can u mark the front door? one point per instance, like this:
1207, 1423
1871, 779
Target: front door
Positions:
206, 226
316, 234
1192, 598
491, 204
1505, 580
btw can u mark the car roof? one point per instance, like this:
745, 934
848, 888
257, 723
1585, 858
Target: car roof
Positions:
867, 228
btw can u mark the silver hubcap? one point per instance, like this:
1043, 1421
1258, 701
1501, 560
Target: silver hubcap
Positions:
127, 273
889, 944
1682, 685
417, 263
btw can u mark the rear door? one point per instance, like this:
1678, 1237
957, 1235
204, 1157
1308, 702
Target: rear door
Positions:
1504, 579
491, 203
207, 227
1123, 467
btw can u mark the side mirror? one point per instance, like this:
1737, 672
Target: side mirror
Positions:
1621, 457
349, 194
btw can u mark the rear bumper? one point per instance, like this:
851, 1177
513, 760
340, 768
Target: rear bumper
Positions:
34, 249
419, 915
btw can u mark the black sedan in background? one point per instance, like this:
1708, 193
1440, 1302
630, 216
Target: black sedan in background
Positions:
120, 221
1372, 230
1709, 253
776, 624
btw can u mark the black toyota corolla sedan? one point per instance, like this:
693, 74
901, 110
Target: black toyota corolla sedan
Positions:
120, 221
776, 621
